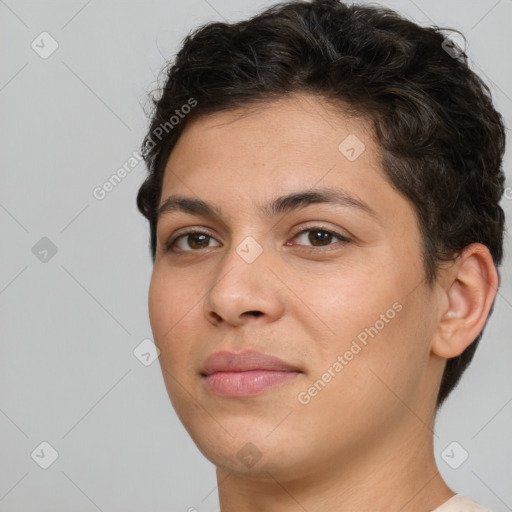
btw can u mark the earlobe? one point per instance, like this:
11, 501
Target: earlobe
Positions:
470, 291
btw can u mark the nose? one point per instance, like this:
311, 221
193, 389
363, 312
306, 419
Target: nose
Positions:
243, 290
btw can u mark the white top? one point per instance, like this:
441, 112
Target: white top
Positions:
460, 503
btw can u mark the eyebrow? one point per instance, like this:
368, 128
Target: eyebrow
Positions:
279, 205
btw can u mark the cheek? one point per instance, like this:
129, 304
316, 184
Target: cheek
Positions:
395, 347
172, 306
353, 299
369, 369
160, 305
371, 316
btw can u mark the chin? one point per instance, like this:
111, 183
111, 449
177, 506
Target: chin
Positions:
245, 447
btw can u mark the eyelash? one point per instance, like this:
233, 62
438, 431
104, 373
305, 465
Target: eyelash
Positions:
170, 246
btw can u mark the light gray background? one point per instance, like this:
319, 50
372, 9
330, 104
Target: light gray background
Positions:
68, 375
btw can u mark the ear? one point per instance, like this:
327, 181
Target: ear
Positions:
469, 289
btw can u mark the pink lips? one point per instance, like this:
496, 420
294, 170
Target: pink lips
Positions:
247, 373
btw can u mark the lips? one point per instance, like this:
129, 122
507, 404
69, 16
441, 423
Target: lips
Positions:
244, 361
246, 373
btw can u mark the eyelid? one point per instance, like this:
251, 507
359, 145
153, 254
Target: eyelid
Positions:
319, 225
185, 232
304, 227
322, 249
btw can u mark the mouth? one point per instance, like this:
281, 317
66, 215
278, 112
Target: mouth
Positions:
244, 374
247, 383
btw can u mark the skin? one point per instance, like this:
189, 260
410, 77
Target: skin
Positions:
364, 441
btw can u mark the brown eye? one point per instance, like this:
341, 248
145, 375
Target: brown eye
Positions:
318, 238
190, 241
197, 241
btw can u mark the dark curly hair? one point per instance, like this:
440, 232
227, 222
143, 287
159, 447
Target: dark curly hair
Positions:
442, 141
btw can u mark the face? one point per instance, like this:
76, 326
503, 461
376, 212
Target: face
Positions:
329, 281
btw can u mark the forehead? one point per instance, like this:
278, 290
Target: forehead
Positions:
297, 137
243, 163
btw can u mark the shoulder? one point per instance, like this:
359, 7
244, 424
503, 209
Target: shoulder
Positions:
460, 503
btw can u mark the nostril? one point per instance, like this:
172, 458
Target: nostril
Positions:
255, 313
216, 317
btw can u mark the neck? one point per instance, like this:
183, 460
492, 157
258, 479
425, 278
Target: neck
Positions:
400, 474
